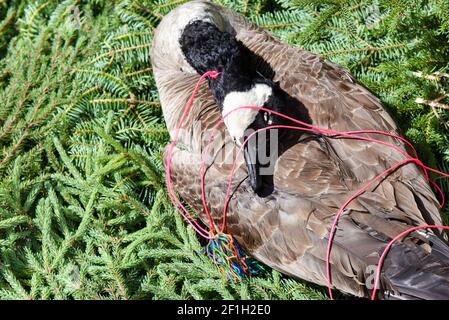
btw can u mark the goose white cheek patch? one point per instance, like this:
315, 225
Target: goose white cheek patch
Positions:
238, 121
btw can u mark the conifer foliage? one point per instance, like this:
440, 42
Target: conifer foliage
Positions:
84, 212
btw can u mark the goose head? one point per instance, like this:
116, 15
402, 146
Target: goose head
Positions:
207, 48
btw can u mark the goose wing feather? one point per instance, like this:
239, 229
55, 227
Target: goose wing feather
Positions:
288, 229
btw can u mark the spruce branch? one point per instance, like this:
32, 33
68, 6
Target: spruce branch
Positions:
82, 229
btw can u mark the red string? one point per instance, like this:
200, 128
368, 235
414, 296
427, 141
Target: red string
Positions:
307, 128
172, 194
315, 129
387, 249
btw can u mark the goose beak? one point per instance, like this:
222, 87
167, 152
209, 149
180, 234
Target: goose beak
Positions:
252, 164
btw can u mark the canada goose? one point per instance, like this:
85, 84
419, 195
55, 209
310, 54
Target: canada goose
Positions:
283, 218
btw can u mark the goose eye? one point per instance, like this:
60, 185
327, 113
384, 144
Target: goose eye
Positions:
265, 116
268, 118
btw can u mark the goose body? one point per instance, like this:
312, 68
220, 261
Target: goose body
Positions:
287, 228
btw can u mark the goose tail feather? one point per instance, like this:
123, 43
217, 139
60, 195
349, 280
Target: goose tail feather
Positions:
411, 274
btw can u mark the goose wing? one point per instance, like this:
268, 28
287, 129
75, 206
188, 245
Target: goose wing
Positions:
289, 229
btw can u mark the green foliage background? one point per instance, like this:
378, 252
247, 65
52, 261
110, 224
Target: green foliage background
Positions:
83, 206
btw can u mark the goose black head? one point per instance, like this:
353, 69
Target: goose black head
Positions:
206, 48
